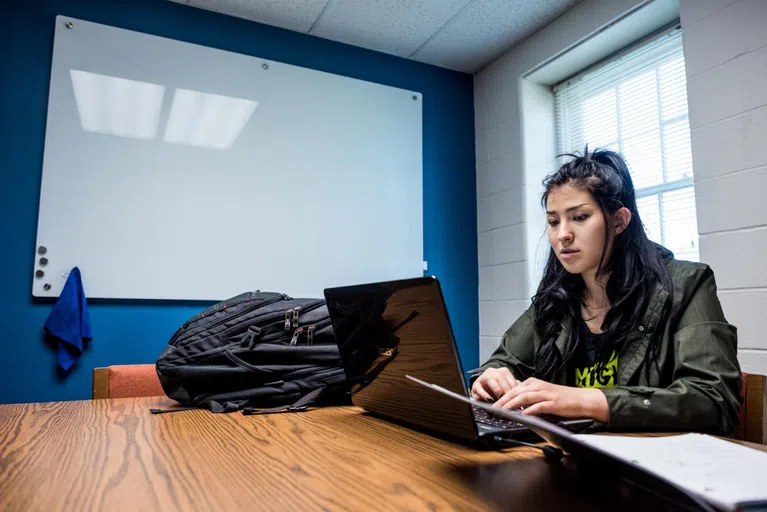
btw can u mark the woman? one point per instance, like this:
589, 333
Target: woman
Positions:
619, 331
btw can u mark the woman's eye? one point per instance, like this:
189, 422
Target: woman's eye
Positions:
553, 222
581, 218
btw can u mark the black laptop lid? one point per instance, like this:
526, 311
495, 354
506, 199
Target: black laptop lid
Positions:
388, 330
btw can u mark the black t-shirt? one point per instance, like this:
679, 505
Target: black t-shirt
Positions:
583, 366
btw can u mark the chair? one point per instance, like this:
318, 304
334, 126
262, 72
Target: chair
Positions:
753, 411
126, 381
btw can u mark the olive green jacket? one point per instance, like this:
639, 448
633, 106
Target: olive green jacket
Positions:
696, 384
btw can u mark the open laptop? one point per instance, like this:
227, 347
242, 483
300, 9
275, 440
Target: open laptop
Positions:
388, 330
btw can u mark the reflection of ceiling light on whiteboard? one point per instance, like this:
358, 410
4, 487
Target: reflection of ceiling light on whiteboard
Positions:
117, 106
207, 120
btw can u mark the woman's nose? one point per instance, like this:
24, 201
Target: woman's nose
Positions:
564, 234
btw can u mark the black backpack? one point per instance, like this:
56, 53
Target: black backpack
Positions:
256, 352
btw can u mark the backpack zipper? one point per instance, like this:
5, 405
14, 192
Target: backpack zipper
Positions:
310, 330
296, 334
287, 315
241, 313
291, 316
310, 334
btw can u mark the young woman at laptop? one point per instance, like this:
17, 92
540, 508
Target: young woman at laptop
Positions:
619, 331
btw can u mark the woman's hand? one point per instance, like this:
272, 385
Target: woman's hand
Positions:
493, 384
541, 397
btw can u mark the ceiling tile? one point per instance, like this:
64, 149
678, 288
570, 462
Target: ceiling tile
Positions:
485, 29
297, 15
397, 27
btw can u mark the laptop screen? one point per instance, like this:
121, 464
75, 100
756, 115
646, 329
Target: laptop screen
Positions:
388, 330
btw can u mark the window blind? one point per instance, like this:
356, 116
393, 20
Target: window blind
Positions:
637, 104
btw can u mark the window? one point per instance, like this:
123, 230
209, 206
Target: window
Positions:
637, 104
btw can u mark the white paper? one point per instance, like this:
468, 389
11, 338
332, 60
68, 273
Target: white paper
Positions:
722, 472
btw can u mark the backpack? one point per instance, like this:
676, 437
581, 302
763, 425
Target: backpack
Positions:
256, 352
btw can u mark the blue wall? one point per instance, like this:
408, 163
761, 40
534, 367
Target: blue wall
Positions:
129, 332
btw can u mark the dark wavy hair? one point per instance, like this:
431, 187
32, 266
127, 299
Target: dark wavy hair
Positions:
634, 267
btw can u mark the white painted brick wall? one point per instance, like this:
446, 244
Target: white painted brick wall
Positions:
509, 281
505, 172
485, 241
487, 346
500, 210
483, 179
503, 139
738, 86
749, 34
739, 305
508, 244
494, 318
725, 44
506, 208
738, 259
731, 145
486, 284
715, 197
695, 10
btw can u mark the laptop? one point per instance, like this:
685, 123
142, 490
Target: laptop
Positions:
388, 330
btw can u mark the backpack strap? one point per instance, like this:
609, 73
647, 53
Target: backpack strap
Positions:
230, 406
300, 405
211, 405
173, 409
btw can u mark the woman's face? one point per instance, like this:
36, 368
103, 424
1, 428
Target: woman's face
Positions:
576, 229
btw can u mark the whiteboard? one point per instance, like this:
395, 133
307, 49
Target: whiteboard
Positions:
177, 171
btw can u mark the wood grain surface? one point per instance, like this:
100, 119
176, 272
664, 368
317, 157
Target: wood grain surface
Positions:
115, 455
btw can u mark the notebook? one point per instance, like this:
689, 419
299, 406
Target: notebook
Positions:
725, 473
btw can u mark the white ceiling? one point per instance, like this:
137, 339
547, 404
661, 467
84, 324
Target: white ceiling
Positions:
463, 35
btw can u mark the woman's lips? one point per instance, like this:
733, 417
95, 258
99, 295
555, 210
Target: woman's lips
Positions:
567, 254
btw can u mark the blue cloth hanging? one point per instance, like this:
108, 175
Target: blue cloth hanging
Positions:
70, 322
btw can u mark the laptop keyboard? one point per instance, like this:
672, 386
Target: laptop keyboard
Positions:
485, 418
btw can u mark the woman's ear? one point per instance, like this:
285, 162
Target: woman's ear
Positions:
621, 219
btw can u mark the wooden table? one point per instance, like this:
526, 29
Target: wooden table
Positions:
115, 455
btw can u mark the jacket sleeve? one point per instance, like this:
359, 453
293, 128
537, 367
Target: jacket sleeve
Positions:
705, 392
516, 351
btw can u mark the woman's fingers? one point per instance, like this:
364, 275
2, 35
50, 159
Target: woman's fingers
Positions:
478, 393
547, 407
521, 387
523, 400
510, 380
493, 384
501, 381
494, 387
